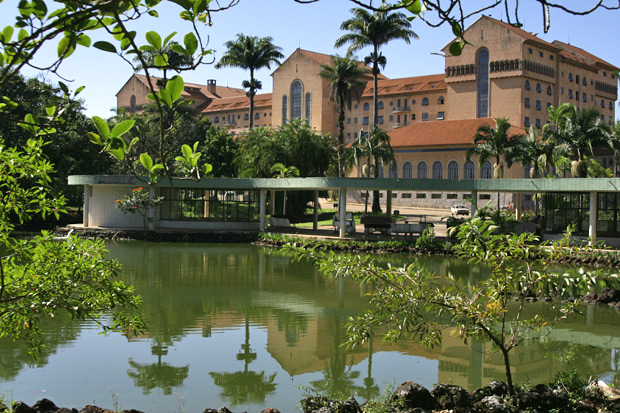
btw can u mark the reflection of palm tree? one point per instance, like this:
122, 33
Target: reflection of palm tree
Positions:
157, 375
370, 389
245, 386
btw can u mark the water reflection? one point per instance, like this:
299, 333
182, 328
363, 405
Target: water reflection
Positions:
240, 326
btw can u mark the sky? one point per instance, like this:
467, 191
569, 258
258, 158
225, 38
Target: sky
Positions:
313, 27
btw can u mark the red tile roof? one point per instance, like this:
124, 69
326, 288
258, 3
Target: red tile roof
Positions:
241, 102
196, 91
442, 133
582, 55
407, 85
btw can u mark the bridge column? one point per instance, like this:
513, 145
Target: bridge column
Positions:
593, 217
315, 223
88, 189
518, 205
474, 202
342, 204
261, 209
388, 203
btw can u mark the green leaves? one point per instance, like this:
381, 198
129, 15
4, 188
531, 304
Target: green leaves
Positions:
151, 167
105, 46
112, 142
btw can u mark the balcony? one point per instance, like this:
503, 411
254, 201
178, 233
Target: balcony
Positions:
401, 109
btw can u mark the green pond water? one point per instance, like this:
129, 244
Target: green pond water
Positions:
248, 328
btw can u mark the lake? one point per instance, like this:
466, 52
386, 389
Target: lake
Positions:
248, 328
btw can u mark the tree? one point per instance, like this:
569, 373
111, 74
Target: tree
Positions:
40, 278
250, 53
345, 76
372, 146
495, 143
281, 171
375, 30
613, 141
576, 133
534, 150
409, 303
220, 150
164, 58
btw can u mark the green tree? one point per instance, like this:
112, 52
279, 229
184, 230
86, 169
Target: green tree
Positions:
250, 53
575, 134
613, 141
495, 143
534, 150
281, 171
374, 30
372, 146
345, 77
220, 150
164, 58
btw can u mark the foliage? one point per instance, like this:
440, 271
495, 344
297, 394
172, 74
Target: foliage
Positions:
417, 304
345, 77
534, 150
251, 53
138, 201
495, 143
41, 277
220, 150
427, 242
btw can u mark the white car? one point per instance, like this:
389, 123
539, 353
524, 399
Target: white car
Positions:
459, 209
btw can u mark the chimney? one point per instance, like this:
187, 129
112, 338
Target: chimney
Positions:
211, 86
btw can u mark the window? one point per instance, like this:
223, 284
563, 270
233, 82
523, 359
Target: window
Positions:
437, 170
425, 102
284, 109
611, 105
527, 102
584, 97
393, 170
425, 117
257, 115
562, 90
549, 90
440, 115
538, 124
380, 120
602, 104
540, 54
296, 90
420, 196
365, 120
413, 116
485, 171
216, 120
348, 121
407, 170
585, 82
577, 79
550, 57
308, 106
391, 118
391, 103
366, 106
441, 100
482, 103
422, 170
527, 85
570, 77
413, 102
538, 88
132, 104
570, 93
453, 170
538, 105
527, 122
548, 105
529, 50
380, 105
354, 120
468, 172
246, 116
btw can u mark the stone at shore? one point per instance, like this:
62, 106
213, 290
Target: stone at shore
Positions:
413, 395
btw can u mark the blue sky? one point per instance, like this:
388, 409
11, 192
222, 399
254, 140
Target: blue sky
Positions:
312, 27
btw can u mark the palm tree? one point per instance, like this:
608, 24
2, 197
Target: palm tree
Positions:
374, 29
250, 53
613, 141
281, 171
164, 59
495, 143
372, 146
344, 75
576, 133
535, 150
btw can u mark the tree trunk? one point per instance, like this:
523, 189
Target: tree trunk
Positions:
578, 169
340, 138
376, 205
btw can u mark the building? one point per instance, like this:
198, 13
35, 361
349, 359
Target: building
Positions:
503, 71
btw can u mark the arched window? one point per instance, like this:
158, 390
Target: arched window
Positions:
453, 170
422, 170
407, 170
549, 90
296, 90
485, 171
538, 88
216, 119
366, 106
441, 100
585, 81
611, 105
602, 104
284, 109
393, 170
483, 83
246, 116
425, 102
437, 170
257, 115
379, 105
132, 104
308, 106
577, 79
468, 172
527, 85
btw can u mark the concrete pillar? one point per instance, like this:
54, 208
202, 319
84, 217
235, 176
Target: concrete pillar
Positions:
342, 203
261, 209
593, 217
474, 202
315, 223
388, 203
272, 206
88, 190
151, 211
518, 205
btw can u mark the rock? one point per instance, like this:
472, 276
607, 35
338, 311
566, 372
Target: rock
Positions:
270, 410
607, 295
599, 387
411, 395
66, 410
492, 404
21, 407
350, 406
44, 406
530, 399
93, 409
448, 396
555, 398
220, 410
312, 404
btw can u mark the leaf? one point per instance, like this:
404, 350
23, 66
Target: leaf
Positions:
153, 13
190, 42
154, 39
83, 40
207, 169
50, 110
102, 127
179, 49
169, 37
7, 33
94, 138
23, 33
456, 48
146, 161
123, 127
457, 29
105, 46
161, 61
175, 87
187, 152
164, 96
64, 46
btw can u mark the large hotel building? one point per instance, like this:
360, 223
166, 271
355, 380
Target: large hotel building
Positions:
504, 71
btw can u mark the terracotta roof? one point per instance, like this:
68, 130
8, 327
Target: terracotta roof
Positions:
582, 55
407, 85
236, 103
196, 91
442, 133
